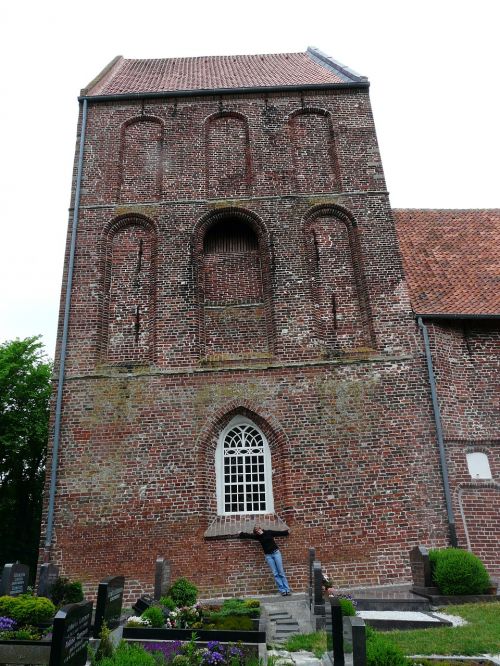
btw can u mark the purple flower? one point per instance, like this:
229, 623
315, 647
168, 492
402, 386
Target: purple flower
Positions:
7, 624
213, 645
167, 649
213, 658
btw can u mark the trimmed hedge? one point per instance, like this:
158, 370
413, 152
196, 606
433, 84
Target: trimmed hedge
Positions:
26, 609
456, 572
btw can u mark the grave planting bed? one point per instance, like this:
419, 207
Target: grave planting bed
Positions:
202, 635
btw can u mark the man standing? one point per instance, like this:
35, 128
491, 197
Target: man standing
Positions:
272, 554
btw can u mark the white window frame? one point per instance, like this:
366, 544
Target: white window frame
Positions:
478, 465
219, 469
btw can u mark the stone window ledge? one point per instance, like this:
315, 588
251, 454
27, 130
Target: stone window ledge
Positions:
227, 527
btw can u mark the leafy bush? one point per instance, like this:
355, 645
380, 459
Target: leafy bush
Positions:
168, 603
252, 603
183, 592
347, 607
155, 616
64, 591
26, 609
381, 652
456, 571
106, 648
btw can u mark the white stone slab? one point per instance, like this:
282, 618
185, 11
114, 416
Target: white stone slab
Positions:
408, 616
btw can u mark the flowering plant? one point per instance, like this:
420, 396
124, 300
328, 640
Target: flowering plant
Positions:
186, 617
7, 624
136, 621
216, 654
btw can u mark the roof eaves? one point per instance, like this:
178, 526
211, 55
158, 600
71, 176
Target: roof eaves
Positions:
455, 315
332, 65
201, 92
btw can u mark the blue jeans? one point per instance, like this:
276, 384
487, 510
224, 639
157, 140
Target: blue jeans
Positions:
276, 565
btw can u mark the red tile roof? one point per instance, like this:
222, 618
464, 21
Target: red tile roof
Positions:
451, 259
220, 72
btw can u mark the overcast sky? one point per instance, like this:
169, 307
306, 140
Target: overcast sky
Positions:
433, 68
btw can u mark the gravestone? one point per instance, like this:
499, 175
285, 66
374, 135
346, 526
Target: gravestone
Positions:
49, 573
318, 608
109, 603
142, 604
15, 578
335, 638
312, 557
358, 638
420, 567
162, 578
70, 635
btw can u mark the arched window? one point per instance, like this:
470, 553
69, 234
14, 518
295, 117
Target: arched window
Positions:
243, 469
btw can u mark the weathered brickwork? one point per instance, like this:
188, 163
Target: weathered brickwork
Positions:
467, 363
237, 255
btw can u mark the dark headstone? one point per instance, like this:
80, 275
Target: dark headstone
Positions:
312, 557
49, 573
15, 578
109, 603
319, 602
142, 604
420, 567
162, 578
358, 641
70, 635
335, 640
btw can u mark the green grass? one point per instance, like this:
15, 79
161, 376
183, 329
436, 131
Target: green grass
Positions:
481, 635
315, 642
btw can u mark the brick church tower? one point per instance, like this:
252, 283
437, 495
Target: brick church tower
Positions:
237, 340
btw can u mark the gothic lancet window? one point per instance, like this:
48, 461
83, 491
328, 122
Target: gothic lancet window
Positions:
243, 466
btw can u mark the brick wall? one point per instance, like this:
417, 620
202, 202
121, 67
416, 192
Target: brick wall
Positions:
466, 356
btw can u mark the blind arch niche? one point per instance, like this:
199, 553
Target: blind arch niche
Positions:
232, 262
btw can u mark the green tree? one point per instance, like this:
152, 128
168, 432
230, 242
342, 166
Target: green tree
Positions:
24, 416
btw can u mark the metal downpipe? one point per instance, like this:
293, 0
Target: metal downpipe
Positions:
439, 433
64, 341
